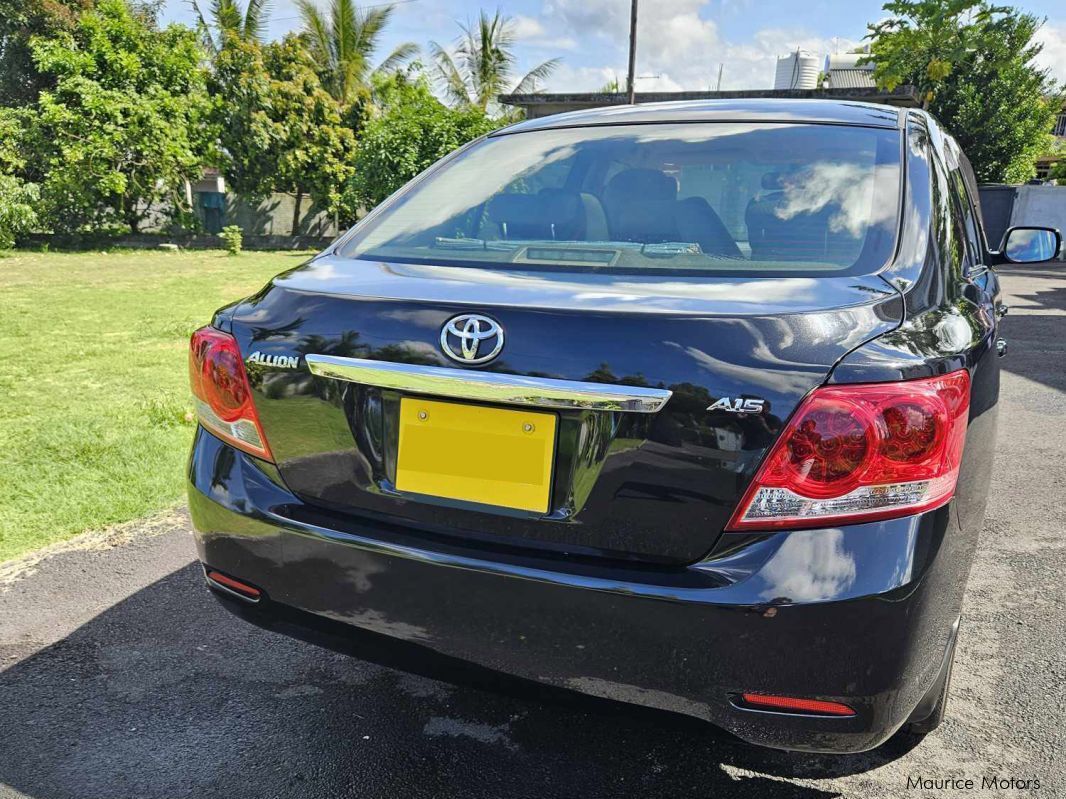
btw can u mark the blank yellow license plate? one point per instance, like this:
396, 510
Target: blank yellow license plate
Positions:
466, 452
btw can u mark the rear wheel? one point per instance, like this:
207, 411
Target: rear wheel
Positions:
932, 710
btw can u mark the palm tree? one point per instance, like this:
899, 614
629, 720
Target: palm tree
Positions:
483, 64
613, 86
342, 44
229, 20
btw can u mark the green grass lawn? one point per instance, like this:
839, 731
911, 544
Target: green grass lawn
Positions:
95, 421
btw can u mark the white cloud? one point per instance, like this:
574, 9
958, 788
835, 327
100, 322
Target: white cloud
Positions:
669, 34
675, 44
526, 27
558, 43
568, 78
532, 33
1053, 37
607, 18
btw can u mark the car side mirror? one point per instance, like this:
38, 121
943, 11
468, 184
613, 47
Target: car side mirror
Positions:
1030, 245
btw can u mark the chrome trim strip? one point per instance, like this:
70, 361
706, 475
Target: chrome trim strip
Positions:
535, 392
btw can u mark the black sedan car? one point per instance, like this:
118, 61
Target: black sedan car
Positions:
688, 405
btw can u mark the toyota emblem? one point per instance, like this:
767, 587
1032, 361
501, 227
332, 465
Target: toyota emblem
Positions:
471, 338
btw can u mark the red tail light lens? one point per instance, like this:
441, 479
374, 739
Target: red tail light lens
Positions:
223, 396
862, 452
794, 704
242, 588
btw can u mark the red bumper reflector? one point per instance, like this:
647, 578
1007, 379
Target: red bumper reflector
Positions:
791, 704
245, 590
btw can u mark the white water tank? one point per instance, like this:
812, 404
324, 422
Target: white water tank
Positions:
798, 70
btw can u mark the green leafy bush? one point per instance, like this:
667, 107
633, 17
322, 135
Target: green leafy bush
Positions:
232, 239
18, 198
413, 131
17, 214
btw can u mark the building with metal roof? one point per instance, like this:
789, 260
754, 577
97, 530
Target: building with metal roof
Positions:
845, 72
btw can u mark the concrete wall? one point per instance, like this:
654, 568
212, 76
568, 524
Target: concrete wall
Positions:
273, 216
1040, 205
1014, 206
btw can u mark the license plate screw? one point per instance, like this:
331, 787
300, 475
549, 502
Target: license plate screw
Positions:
528, 427
423, 415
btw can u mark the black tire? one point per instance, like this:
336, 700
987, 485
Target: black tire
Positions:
930, 719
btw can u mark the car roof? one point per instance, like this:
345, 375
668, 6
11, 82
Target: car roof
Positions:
833, 112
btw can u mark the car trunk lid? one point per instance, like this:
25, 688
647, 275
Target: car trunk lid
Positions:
657, 486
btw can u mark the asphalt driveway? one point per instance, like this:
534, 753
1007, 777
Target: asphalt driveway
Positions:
121, 677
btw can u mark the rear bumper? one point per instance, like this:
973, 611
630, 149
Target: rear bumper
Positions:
860, 615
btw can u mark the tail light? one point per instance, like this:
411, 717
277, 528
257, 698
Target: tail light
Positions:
854, 453
223, 395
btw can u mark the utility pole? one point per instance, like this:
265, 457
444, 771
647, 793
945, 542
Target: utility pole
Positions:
631, 80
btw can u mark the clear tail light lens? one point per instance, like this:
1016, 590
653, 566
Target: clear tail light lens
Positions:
854, 453
223, 396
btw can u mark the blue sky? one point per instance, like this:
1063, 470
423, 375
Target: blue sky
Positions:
680, 42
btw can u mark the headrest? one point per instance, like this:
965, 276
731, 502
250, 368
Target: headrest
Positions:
642, 185
553, 214
515, 208
543, 208
650, 222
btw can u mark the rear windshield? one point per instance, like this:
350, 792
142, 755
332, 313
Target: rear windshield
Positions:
760, 199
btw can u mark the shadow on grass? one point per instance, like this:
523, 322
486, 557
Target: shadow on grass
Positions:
166, 694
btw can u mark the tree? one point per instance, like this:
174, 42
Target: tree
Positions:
483, 64
973, 65
342, 45
18, 201
999, 107
20, 82
413, 131
18, 198
1058, 166
245, 124
925, 40
12, 130
277, 127
315, 147
122, 129
225, 18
